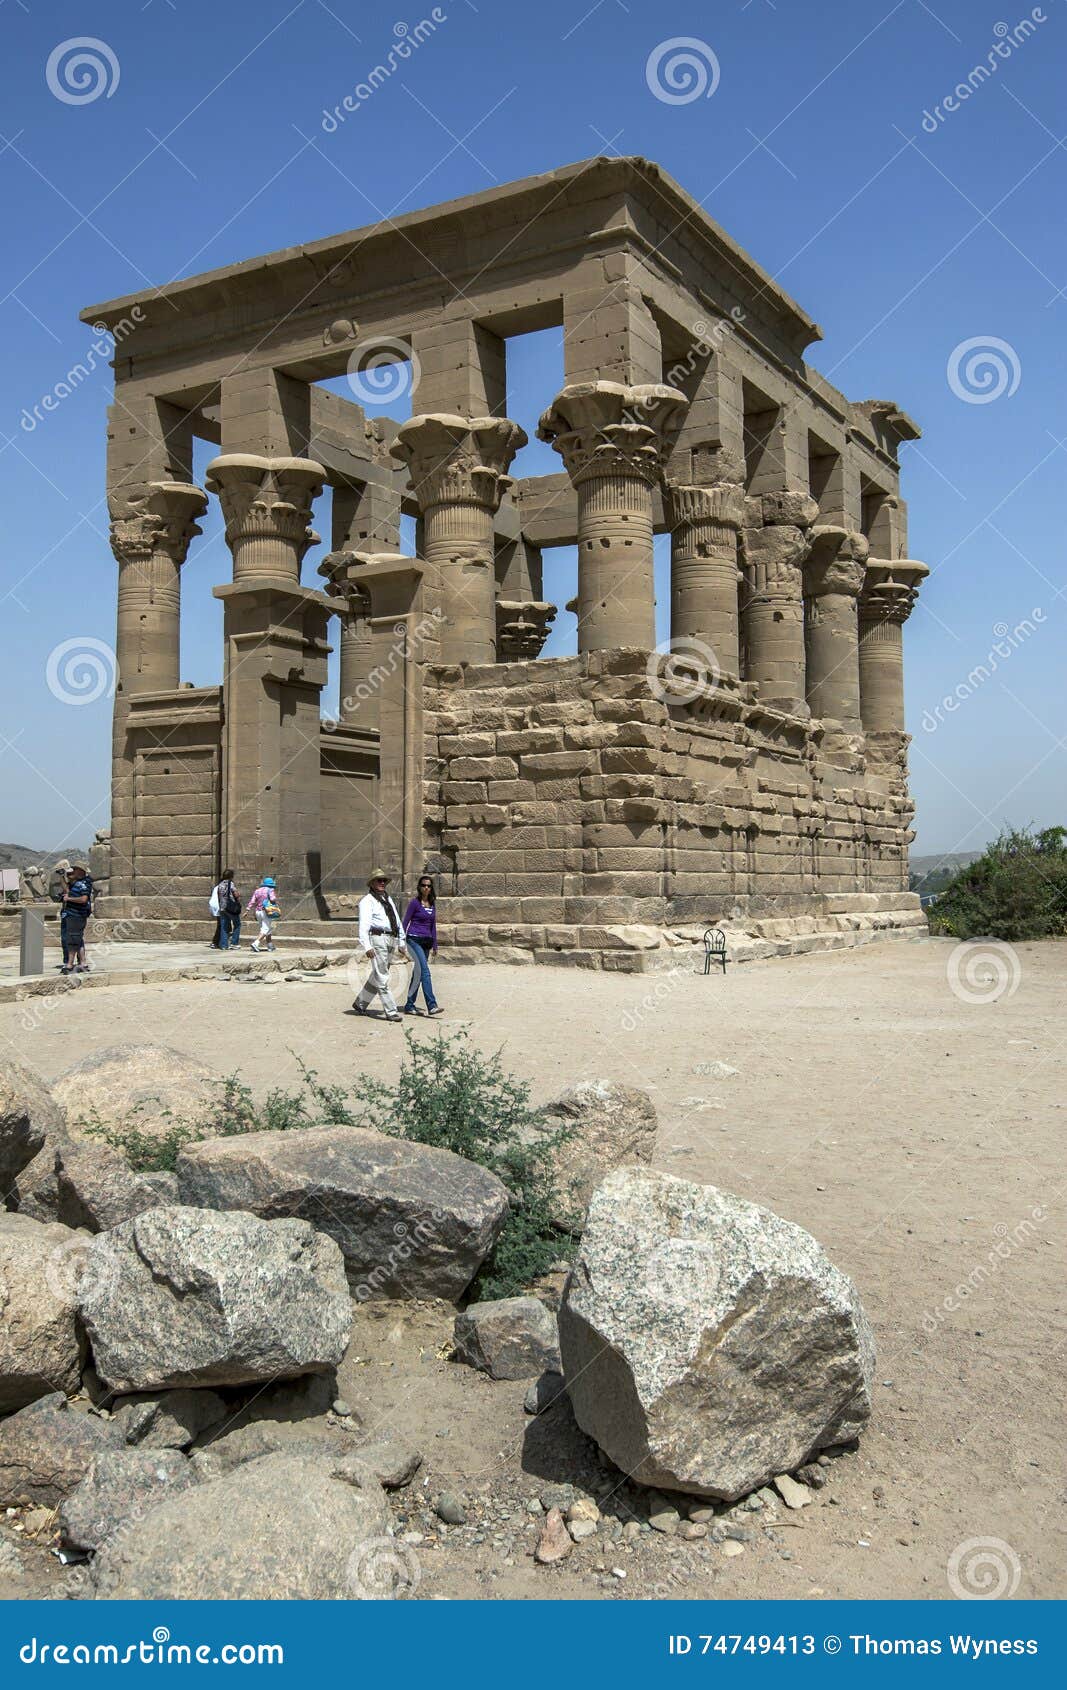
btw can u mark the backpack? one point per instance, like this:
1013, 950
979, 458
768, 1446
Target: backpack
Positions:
230, 903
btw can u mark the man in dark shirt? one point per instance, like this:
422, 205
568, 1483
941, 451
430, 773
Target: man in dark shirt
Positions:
77, 908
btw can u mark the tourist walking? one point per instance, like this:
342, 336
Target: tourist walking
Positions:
264, 905
226, 905
381, 937
420, 926
77, 908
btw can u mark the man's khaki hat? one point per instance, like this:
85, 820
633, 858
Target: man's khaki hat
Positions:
378, 874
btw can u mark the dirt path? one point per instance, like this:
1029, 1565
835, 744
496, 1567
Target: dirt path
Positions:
917, 1135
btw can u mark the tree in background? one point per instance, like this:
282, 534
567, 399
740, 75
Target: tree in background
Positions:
1016, 890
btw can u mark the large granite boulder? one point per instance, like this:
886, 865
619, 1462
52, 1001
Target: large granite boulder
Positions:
28, 1112
182, 1296
35, 1191
508, 1338
40, 1345
149, 1088
411, 1220
708, 1345
47, 1449
605, 1126
96, 1188
120, 1485
296, 1527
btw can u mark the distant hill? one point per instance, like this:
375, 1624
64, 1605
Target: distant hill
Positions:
951, 860
23, 856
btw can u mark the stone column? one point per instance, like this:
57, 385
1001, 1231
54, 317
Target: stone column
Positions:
833, 576
613, 441
276, 652
705, 524
267, 506
458, 469
150, 535
776, 543
889, 594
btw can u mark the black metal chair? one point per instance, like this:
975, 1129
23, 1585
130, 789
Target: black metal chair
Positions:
714, 948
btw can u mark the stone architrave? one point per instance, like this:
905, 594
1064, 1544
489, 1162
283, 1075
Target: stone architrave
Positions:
613, 440
833, 577
777, 541
267, 506
705, 524
889, 594
458, 468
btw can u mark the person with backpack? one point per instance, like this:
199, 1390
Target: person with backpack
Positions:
77, 908
264, 904
226, 905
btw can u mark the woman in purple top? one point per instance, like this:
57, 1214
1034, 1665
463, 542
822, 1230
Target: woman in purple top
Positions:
420, 925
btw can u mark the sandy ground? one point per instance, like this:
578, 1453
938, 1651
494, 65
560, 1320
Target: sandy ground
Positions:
918, 1135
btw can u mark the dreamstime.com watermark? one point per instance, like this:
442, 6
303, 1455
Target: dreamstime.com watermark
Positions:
1008, 640
983, 1569
1007, 42
82, 70
99, 352
383, 372
666, 984
682, 70
407, 41
406, 639
982, 369
682, 670
81, 670
1007, 1241
983, 971
158, 1650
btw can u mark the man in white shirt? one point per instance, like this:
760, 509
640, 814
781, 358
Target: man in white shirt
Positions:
381, 937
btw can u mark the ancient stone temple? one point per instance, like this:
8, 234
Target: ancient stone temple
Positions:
751, 772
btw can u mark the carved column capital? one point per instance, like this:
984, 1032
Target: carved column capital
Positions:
890, 590
458, 460
604, 428
267, 506
522, 628
719, 508
161, 519
836, 562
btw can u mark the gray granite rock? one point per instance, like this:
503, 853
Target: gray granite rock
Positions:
119, 1488
168, 1419
411, 1220
300, 1527
96, 1188
40, 1344
508, 1338
708, 1345
46, 1449
182, 1296
28, 1111
607, 1126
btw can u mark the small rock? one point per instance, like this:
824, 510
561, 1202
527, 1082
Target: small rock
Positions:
554, 1544
631, 1530
544, 1392
736, 1533
37, 1520
10, 1561
581, 1529
534, 1506
558, 1496
584, 1508
692, 1530
393, 1462
450, 1509
812, 1474
341, 1407
702, 1516
664, 1519
509, 1338
792, 1494
731, 1548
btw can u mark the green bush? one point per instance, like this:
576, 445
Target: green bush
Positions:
448, 1095
1016, 890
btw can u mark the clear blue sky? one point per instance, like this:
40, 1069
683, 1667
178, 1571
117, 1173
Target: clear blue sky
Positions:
905, 239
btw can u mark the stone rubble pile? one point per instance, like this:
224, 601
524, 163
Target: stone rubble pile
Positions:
169, 1346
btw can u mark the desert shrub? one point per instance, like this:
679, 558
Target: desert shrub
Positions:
450, 1095
1016, 890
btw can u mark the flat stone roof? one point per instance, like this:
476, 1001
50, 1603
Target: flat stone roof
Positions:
651, 186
